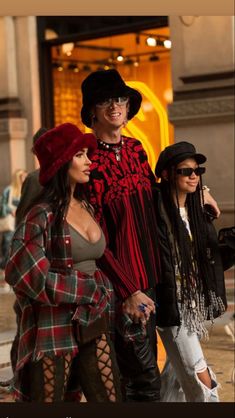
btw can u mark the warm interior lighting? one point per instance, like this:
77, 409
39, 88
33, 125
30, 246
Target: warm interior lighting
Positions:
68, 48
136, 63
150, 41
108, 56
120, 58
167, 43
157, 40
168, 95
50, 34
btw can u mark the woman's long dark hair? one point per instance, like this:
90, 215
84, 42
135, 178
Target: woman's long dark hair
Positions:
191, 254
57, 194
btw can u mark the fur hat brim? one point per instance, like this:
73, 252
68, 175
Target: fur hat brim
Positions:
58, 146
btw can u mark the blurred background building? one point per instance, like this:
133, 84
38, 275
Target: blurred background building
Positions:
182, 65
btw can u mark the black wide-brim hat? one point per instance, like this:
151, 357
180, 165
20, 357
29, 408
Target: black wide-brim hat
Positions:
175, 154
105, 84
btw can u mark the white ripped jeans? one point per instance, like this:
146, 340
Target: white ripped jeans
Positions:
179, 380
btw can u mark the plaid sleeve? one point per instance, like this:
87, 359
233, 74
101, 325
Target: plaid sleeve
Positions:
29, 272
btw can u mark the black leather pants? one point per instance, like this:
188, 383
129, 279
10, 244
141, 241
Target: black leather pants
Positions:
138, 365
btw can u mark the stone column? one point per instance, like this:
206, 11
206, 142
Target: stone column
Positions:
13, 126
203, 108
28, 78
20, 114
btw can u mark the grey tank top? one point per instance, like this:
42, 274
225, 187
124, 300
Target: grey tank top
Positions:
84, 252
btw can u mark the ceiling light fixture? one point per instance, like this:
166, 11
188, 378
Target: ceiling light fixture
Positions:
153, 58
150, 41
120, 57
68, 48
136, 63
167, 43
157, 40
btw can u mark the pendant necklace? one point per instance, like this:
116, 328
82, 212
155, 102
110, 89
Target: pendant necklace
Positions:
113, 147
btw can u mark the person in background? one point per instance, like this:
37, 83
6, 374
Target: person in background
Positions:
192, 288
121, 193
29, 190
65, 301
10, 200
31, 185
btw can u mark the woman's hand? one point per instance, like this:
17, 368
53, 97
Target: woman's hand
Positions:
139, 307
209, 200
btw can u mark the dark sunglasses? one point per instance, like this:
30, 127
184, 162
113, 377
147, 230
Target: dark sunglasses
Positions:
188, 171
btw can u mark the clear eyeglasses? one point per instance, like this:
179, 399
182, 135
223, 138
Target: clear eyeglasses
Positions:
120, 101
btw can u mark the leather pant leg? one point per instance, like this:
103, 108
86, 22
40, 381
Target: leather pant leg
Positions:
138, 365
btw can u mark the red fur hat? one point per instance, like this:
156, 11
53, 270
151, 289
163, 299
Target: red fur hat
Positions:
58, 146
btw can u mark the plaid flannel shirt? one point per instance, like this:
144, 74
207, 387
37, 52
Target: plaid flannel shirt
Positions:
48, 290
50, 293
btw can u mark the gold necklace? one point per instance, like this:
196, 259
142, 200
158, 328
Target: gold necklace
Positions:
114, 147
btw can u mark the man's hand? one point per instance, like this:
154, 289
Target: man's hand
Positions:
139, 307
209, 200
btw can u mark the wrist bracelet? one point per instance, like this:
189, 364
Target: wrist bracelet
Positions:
205, 188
